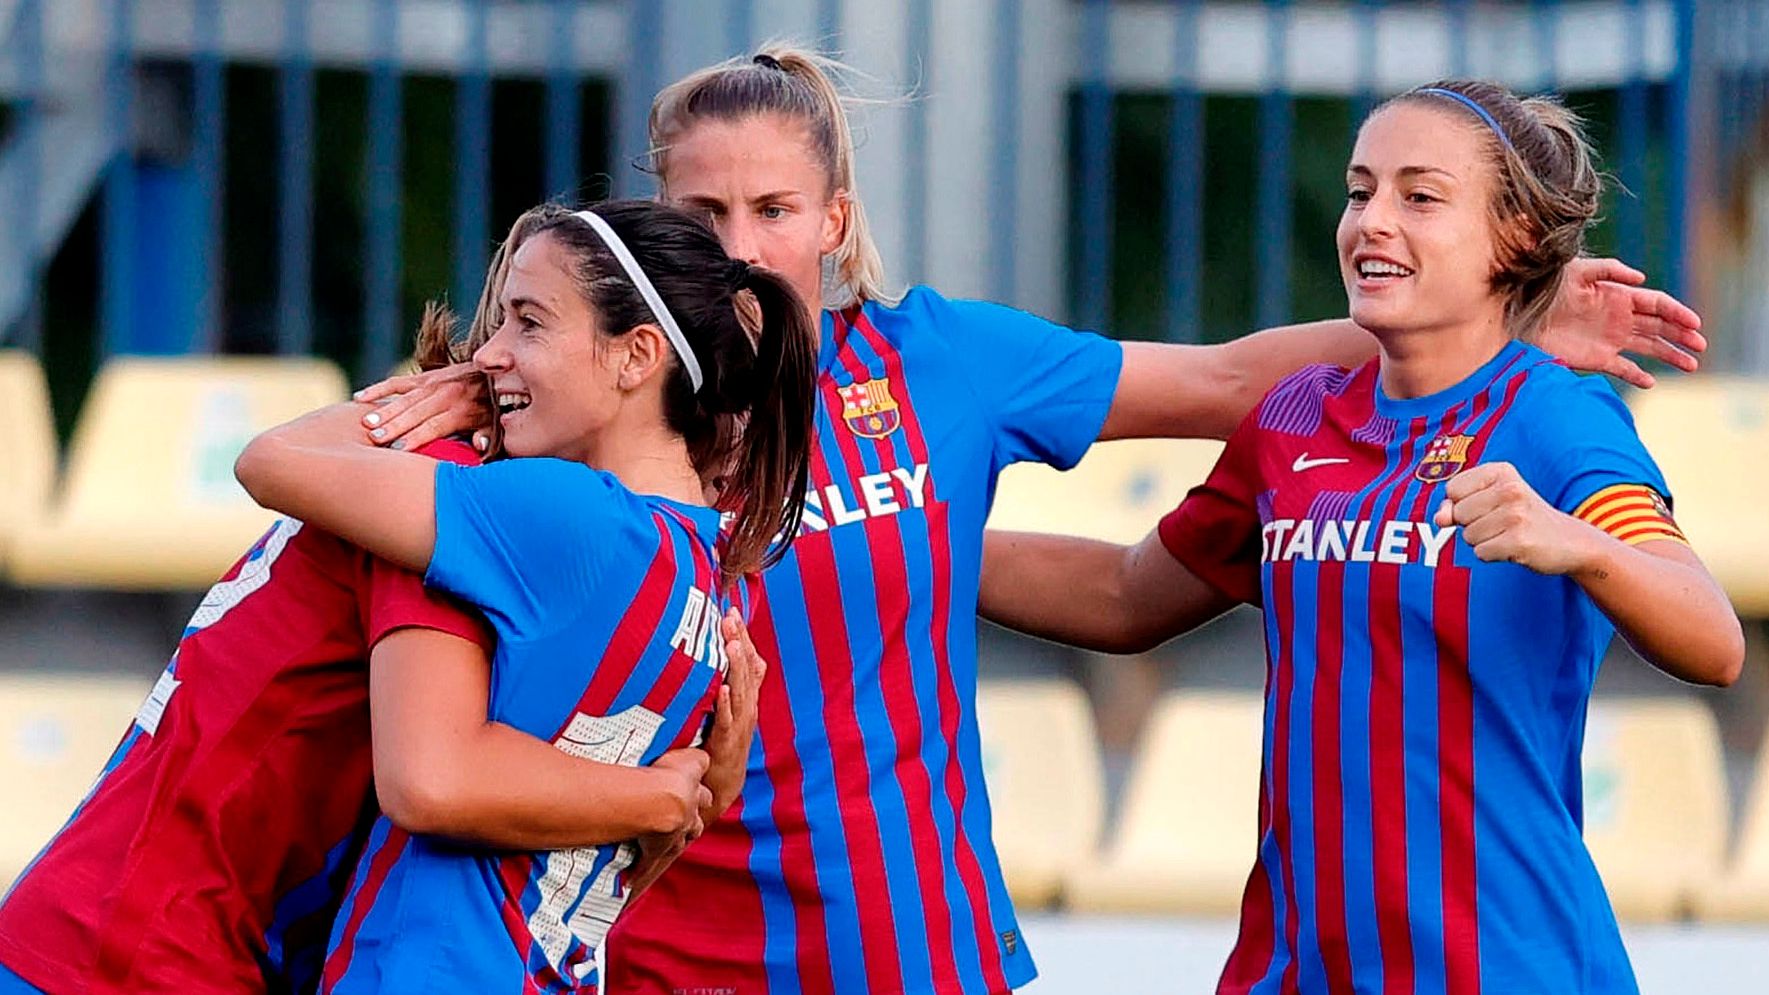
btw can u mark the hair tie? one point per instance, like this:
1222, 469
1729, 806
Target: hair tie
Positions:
1473, 105
767, 61
653, 299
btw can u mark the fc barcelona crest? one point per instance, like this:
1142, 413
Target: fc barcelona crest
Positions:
1444, 458
869, 409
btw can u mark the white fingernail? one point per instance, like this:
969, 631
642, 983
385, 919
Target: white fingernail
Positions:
357, 396
378, 433
372, 419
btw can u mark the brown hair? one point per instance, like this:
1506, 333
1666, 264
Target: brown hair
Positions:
798, 85
750, 423
1545, 191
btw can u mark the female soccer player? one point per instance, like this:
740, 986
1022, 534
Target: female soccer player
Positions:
622, 355
859, 858
216, 847
1444, 540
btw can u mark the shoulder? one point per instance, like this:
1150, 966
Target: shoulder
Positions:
1295, 404
924, 307
536, 484
1553, 402
450, 451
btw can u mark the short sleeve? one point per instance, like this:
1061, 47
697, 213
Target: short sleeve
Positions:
523, 539
1215, 532
398, 599
1045, 389
1580, 440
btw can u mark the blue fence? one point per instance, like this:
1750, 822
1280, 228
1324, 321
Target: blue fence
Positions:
1687, 83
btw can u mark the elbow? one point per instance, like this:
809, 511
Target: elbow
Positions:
254, 466
426, 801
1730, 658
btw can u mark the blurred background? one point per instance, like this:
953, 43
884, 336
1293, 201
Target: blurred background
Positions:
223, 212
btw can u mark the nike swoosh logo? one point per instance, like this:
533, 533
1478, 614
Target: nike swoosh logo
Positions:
1304, 463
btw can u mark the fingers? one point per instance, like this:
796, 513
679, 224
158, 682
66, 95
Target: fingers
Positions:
1651, 327
1665, 351
1444, 516
705, 798
1477, 478
386, 388
1614, 270
1623, 368
1663, 306
722, 717
1478, 505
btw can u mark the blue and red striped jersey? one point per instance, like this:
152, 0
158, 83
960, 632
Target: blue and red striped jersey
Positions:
859, 858
1420, 811
606, 606
214, 849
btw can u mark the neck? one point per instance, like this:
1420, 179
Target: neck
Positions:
648, 458
1420, 361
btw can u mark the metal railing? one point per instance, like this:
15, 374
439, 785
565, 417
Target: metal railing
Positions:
963, 175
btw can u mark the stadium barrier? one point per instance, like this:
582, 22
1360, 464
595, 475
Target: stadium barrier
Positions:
1047, 793
31, 456
149, 501
1707, 433
1188, 825
55, 736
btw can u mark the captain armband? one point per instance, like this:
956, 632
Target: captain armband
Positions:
1633, 513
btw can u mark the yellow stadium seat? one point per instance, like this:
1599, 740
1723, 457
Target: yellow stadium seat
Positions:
1117, 492
1708, 434
55, 735
30, 459
149, 501
1740, 892
1189, 826
1041, 760
1655, 804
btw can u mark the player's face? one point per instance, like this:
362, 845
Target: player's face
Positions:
1415, 242
758, 183
555, 376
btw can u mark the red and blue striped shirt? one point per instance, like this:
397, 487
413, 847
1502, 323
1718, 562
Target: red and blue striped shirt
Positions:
606, 606
859, 859
214, 849
1419, 818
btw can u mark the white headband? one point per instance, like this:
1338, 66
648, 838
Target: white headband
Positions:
671, 330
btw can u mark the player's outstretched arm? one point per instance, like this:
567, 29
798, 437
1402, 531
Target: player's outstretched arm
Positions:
1659, 595
442, 769
1602, 314
1095, 595
321, 469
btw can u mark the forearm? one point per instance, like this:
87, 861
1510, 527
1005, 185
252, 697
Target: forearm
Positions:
1177, 391
1669, 609
506, 789
318, 468
1060, 588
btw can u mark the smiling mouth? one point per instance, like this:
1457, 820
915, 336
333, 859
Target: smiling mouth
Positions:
510, 402
1377, 269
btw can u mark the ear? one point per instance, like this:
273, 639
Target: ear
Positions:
835, 222
647, 349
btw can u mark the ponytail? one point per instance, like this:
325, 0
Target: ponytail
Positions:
800, 85
770, 469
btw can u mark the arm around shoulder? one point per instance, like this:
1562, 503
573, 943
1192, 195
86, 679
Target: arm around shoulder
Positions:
1095, 595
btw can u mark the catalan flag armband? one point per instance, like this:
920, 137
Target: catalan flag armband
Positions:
1633, 513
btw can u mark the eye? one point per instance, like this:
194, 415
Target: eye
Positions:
1421, 197
774, 212
1357, 195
